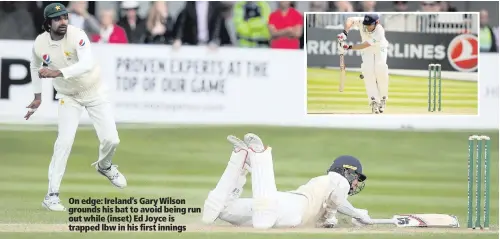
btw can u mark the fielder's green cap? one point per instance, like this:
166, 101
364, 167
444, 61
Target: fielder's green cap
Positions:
54, 10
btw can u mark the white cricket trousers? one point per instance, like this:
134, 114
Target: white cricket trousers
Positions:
376, 74
70, 109
290, 210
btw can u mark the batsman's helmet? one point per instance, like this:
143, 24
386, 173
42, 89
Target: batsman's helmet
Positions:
370, 19
51, 11
351, 168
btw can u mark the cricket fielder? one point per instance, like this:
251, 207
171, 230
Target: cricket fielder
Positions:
66, 52
313, 204
374, 57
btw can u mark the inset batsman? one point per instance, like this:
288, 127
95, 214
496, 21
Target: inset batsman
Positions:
374, 68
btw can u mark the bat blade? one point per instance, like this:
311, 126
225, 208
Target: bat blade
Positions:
342, 73
421, 220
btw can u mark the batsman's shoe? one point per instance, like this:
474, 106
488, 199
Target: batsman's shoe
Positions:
114, 176
254, 142
375, 107
381, 107
238, 144
52, 203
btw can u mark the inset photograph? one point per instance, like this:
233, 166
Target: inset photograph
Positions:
392, 63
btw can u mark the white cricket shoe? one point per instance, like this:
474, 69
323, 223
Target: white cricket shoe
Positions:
375, 107
381, 107
114, 176
52, 203
254, 142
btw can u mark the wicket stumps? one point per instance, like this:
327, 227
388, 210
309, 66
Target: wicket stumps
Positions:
478, 141
434, 77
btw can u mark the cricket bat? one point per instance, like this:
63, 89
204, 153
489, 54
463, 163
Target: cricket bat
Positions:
421, 220
342, 73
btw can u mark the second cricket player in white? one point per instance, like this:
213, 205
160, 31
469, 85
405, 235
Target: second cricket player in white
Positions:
66, 52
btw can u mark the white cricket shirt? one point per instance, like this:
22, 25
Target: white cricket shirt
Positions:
71, 55
327, 190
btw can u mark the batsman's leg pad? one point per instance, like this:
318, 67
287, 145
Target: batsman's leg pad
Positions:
238, 189
382, 74
263, 189
370, 82
219, 196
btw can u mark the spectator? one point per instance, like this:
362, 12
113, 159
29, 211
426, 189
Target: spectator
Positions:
109, 32
495, 32
200, 23
80, 17
16, 22
134, 26
227, 14
160, 26
36, 10
367, 6
401, 6
446, 7
430, 6
318, 6
251, 19
226, 9
285, 25
343, 6
487, 40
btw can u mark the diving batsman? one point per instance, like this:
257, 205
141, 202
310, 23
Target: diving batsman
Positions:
314, 204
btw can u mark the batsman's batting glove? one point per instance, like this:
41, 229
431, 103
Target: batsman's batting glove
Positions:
364, 217
342, 36
347, 47
331, 222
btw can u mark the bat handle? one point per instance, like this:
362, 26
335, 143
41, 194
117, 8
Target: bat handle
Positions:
384, 221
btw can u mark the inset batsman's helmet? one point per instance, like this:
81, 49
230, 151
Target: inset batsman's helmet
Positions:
370, 19
351, 168
52, 10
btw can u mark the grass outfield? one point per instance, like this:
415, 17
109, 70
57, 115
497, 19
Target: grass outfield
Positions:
407, 95
408, 172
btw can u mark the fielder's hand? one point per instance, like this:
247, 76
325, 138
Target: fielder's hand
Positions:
33, 107
48, 73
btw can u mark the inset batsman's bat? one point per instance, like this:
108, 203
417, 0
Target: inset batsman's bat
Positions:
342, 73
421, 220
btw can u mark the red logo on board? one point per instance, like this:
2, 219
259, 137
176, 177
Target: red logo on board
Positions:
463, 52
